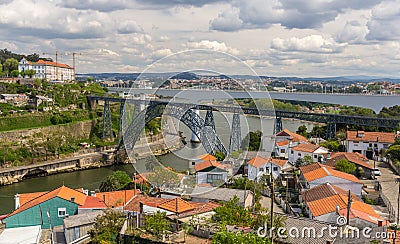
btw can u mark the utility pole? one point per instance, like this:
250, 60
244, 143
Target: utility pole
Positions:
56, 65
272, 207
348, 208
398, 201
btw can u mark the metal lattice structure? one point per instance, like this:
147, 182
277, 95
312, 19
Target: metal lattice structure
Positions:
107, 122
184, 113
278, 126
236, 134
209, 119
198, 126
331, 131
121, 112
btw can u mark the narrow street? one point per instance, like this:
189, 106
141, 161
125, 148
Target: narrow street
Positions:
389, 185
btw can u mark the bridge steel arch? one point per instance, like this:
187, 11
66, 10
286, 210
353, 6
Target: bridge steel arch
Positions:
184, 113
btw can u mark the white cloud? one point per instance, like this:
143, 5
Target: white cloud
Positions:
384, 23
129, 27
213, 45
312, 43
353, 32
227, 21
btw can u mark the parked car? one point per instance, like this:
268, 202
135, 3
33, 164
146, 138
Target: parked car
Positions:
376, 172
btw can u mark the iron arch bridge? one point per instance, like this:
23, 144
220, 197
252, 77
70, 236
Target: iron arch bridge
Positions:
205, 129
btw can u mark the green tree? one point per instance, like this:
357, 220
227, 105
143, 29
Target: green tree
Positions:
226, 237
14, 73
307, 159
118, 180
302, 130
109, 184
107, 227
252, 141
394, 152
156, 223
333, 145
346, 166
219, 155
30, 72
9, 65
232, 213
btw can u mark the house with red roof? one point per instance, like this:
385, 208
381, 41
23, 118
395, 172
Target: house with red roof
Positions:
316, 152
175, 208
51, 71
368, 143
285, 140
316, 174
356, 158
259, 166
328, 209
210, 173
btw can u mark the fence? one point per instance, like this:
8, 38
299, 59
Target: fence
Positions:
394, 166
386, 202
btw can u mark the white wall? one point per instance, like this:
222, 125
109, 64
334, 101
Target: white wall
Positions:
363, 147
253, 172
201, 177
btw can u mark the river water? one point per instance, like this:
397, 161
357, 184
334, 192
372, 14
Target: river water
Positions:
91, 179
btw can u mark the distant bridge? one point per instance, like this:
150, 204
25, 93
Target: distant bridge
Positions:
204, 129
374, 102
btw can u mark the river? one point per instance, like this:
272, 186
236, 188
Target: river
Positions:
91, 179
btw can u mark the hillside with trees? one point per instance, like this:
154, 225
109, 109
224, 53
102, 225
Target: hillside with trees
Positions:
9, 62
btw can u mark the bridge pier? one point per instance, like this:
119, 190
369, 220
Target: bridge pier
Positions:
331, 130
194, 138
121, 112
107, 122
278, 127
236, 134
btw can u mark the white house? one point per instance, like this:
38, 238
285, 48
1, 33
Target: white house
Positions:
316, 174
367, 143
316, 152
48, 70
259, 166
285, 140
210, 173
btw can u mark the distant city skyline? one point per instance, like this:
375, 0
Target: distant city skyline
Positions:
274, 37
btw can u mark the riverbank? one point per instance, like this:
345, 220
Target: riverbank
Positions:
102, 158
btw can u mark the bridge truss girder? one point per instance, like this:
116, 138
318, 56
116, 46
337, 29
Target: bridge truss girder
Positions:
107, 122
184, 113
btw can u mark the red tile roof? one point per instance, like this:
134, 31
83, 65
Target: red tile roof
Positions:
323, 191
185, 208
176, 205
208, 164
315, 171
282, 143
260, 161
355, 158
61, 192
26, 197
294, 136
384, 137
329, 204
117, 198
93, 203
306, 147
50, 63
207, 157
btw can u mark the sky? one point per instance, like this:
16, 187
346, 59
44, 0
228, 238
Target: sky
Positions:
304, 38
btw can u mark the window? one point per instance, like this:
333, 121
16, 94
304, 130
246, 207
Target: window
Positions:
299, 154
275, 168
282, 150
62, 212
193, 163
315, 155
385, 146
291, 151
370, 145
212, 177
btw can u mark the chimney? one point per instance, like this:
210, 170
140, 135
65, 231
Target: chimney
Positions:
380, 223
360, 134
141, 207
16, 201
337, 209
328, 156
329, 242
93, 193
72, 199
